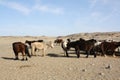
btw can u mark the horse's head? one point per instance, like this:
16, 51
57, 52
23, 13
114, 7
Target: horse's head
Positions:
68, 40
81, 39
116, 43
26, 41
50, 44
68, 45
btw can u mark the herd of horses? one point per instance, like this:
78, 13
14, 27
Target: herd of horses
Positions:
89, 47
19, 47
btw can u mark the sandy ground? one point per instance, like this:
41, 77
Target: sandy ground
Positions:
54, 66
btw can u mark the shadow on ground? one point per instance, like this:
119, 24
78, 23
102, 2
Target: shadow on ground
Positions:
7, 58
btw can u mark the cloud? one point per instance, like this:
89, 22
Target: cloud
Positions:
17, 6
37, 7
45, 8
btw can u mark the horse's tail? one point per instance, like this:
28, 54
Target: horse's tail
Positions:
27, 51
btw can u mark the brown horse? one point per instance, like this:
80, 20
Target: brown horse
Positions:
19, 47
109, 47
58, 41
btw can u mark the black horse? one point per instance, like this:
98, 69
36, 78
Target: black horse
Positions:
82, 45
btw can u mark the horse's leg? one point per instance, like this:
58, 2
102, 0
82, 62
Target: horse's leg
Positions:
103, 52
88, 52
23, 54
32, 50
27, 52
16, 56
67, 53
77, 52
94, 52
43, 52
113, 53
26, 55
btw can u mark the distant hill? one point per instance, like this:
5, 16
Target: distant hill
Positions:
95, 35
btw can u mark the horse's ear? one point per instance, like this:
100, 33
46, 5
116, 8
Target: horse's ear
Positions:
68, 40
26, 40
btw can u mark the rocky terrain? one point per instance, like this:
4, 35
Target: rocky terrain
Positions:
56, 66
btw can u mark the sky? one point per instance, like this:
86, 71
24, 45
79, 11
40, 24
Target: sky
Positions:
58, 17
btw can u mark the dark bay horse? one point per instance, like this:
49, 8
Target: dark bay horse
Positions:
109, 47
58, 41
81, 45
19, 47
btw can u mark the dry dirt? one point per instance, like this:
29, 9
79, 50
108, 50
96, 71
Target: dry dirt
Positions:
54, 66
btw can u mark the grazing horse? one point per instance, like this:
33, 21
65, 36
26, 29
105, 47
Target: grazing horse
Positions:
40, 46
58, 41
20, 47
109, 47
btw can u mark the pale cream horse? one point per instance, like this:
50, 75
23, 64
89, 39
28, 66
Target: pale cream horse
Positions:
41, 46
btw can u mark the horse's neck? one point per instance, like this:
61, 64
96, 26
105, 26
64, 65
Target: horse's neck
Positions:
48, 45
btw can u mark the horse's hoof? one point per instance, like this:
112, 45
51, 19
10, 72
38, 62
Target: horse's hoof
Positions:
22, 59
95, 56
114, 55
16, 59
105, 56
86, 56
78, 56
26, 59
29, 56
67, 56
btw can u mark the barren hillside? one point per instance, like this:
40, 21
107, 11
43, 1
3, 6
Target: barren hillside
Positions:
95, 35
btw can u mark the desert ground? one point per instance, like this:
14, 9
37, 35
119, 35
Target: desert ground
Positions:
56, 66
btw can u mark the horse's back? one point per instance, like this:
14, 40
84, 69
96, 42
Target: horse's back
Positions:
18, 47
38, 45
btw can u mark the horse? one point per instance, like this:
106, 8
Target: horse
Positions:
83, 45
40, 46
109, 47
58, 41
64, 46
29, 42
19, 47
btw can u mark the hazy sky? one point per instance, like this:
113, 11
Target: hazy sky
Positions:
58, 17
